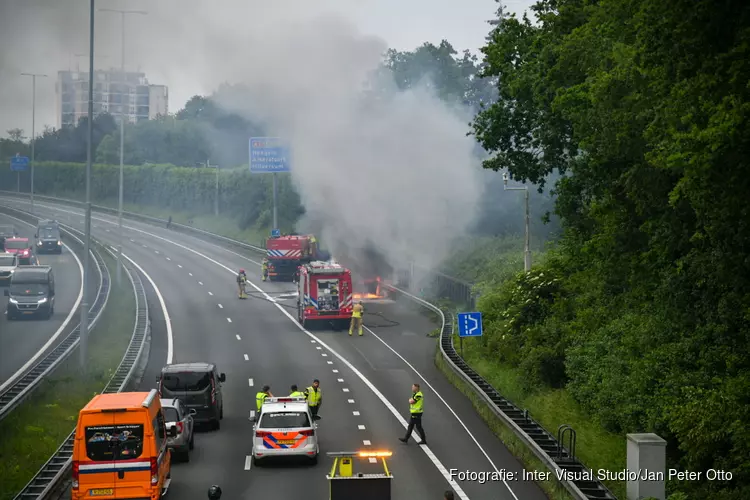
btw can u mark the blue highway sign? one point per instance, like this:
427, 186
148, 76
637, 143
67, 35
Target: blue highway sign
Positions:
19, 163
275, 233
268, 154
470, 324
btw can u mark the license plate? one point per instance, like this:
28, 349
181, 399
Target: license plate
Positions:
101, 492
287, 441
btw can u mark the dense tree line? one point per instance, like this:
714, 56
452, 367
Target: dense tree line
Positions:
643, 310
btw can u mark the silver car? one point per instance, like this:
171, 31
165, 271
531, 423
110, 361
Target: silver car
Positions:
176, 414
8, 264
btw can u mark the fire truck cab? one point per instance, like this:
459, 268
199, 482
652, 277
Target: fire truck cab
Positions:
325, 294
286, 253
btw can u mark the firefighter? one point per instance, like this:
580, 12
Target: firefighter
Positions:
357, 312
264, 268
296, 392
241, 281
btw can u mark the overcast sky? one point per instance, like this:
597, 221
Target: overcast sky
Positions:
45, 36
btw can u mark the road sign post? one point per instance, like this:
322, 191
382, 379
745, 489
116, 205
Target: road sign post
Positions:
469, 325
19, 164
269, 155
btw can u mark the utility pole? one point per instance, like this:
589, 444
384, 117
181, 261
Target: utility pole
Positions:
84, 326
527, 218
33, 129
275, 194
123, 115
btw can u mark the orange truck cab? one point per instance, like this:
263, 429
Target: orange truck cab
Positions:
120, 448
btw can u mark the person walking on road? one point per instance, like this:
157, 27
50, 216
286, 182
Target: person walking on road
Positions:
261, 396
357, 312
296, 392
416, 407
314, 398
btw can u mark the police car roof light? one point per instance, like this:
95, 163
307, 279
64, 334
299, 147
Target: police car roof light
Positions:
285, 400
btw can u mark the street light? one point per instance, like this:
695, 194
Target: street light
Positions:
527, 242
84, 327
33, 128
122, 13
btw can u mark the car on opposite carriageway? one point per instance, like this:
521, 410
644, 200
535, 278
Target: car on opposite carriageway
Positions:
198, 385
48, 237
31, 292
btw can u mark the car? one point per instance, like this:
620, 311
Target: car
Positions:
6, 231
31, 292
22, 248
198, 385
8, 265
48, 238
177, 415
285, 428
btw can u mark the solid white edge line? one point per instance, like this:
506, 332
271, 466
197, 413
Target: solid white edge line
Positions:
436, 393
59, 331
248, 462
167, 320
435, 461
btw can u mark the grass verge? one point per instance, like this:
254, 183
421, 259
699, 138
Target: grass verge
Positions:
552, 487
595, 447
34, 431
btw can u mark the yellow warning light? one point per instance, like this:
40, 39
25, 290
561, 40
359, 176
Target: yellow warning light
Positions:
375, 454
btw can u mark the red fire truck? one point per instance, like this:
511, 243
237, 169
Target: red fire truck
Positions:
325, 294
286, 253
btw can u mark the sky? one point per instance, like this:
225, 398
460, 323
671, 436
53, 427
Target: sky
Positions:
45, 36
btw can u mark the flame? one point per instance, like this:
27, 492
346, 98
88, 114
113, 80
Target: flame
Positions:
365, 296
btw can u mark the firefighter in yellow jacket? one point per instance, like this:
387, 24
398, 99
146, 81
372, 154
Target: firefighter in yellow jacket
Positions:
264, 269
357, 312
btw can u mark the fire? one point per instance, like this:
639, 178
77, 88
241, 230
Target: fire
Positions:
365, 296
374, 290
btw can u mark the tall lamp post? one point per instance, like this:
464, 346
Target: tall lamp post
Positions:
123, 115
527, 239
84, 327
33, 128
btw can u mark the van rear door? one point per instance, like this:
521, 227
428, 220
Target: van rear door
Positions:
195, 389
138, 458
96, 472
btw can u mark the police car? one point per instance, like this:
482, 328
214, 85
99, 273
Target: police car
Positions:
285, 428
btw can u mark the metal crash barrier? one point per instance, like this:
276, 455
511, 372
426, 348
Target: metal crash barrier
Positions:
348, 485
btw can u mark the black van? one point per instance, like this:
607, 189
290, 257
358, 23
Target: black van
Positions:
48, 237
198, 385
31, 292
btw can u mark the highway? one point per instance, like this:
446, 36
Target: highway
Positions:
20, 340
365, 381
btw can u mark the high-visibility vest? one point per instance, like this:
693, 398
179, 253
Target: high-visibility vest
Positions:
297, 394
313, 396
259, 399
357, 311
417, 406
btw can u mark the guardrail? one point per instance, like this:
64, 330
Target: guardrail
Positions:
559, 459
53, 477
440, 284
29, 381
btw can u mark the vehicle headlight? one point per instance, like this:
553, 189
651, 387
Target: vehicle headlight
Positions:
39, 243
42, 301
12, 271
13, 301
59, 242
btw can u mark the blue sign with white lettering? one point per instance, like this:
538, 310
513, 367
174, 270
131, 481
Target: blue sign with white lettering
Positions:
268, 154
19, 163
275, 233
469, 324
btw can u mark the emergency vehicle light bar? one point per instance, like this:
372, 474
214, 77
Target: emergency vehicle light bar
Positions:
297, 399
375, 454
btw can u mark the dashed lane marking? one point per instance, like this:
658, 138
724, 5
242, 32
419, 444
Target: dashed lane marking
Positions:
238, 337
247, 358
250, 382
248, 462
229, 320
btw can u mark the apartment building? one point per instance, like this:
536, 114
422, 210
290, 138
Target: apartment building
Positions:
127, 95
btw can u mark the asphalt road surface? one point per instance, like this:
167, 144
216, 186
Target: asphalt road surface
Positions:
365, 381
21, 339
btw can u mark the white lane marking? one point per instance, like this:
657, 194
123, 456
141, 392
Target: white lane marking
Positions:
312, 341
329, 362
105, 229
156, 251
319, 348
250, 382
373, 460
341, 380
361, 427
190, 274
238, 337
324, 355
221, 307
247, 358
59, 331
210, 293
179, 265
229, 320
144, 246
345, 389
168, 258
132, 240
350, 401
252, 414
435, 461
335, 371
366, 442
355, 413
200, 283
170, 338
248, 462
